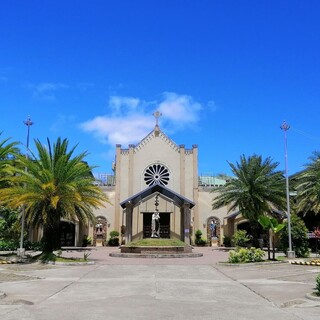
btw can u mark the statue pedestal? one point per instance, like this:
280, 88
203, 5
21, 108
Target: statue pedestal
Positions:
99, 243
214, 242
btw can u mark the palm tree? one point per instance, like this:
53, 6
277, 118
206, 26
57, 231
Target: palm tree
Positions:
53, 186
308, 186
8, 151
257, 189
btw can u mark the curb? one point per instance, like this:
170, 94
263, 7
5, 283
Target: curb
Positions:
250, 264
58, 263
313, 297
305, 263
155, 255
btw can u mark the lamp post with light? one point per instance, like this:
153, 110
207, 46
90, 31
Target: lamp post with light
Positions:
28, 122
285, 127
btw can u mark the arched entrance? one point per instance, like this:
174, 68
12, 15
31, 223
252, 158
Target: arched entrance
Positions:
214, 229
67, 234
100, 232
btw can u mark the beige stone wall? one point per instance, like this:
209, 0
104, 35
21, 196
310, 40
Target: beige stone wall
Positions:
182, 163
131, 164
205, 212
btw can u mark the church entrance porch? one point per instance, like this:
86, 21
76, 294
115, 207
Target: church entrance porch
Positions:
67, 234
164, 224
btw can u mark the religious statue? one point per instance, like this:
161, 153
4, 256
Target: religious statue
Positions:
213, 229
155, 224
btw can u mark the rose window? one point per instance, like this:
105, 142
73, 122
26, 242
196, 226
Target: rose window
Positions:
156, 173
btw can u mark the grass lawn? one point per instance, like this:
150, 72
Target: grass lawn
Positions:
156, 243
52, 257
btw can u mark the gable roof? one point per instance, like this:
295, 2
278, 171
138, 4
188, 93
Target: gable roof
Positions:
168, 193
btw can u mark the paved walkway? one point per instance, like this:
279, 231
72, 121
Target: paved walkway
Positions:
126, 288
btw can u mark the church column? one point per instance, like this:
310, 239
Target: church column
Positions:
182, 170
129, 210
196, 212
117, 189
185, 223
131, 165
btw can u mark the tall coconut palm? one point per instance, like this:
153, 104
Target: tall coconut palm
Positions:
307, 183
55, 185
257, 188
8, 150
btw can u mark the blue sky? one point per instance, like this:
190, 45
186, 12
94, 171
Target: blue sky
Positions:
224, 74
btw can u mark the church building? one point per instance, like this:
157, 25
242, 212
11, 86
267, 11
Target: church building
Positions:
157, 175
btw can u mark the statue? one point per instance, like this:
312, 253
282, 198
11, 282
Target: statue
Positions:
155, 225
213, 229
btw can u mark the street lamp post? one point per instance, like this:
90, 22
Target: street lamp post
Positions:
285, 127
28, 122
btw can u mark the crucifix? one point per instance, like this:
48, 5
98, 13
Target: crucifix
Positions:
157, 114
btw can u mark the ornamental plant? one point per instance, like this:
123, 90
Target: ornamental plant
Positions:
300, 241
199, 241
241, 238
244, 255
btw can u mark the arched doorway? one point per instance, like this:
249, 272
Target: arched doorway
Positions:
100, 232
67, 234
214, 228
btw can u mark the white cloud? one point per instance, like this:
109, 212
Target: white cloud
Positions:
45, 90
123, 130
179, 109
121, 104
131, 119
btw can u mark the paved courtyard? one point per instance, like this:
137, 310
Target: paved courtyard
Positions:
127, 288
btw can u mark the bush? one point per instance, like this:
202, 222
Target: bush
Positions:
8, 245
241, 238
114, 234
318, 284
244, 255
114, 239
86, 241
300, 242
199, 241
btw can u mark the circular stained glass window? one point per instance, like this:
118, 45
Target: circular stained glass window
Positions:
156, 173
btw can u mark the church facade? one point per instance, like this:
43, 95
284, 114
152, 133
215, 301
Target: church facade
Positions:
158, 175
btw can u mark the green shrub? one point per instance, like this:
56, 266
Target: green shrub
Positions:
113, 242
198, 234
299, 237
318, 284
114, 234
86, 241
114, 239
8, 245
244, 255
199, 241
240, 238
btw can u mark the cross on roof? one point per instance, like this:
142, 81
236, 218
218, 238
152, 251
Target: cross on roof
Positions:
157, 114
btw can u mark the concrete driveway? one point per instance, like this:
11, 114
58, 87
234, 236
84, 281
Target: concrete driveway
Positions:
127, 288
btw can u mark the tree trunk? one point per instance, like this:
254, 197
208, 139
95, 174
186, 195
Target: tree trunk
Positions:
273, 248
51, 237
269, 253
